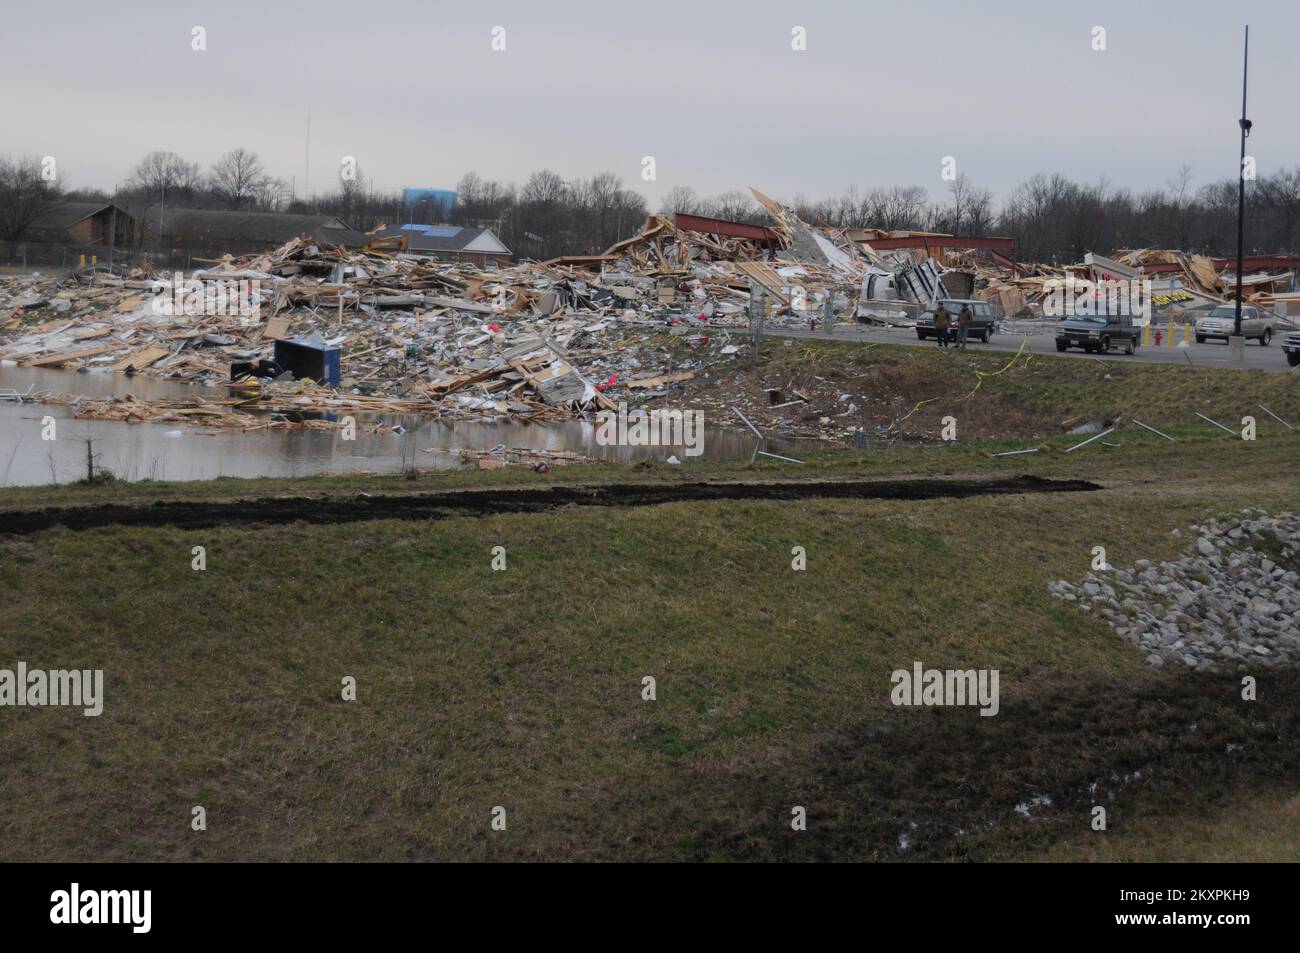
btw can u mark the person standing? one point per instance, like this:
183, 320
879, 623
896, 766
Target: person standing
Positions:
963, 325
942, 321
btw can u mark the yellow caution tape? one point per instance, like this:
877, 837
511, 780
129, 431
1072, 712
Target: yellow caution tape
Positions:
980, 375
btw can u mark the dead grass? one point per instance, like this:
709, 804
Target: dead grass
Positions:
993, 396
523, 688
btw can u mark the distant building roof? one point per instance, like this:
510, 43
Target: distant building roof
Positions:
446, 238
66, 214
260, 227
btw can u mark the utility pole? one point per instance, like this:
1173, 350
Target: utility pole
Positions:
112, 228
306, 174
1237, 344
162, 203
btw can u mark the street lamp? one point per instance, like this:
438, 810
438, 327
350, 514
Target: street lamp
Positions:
1237, 344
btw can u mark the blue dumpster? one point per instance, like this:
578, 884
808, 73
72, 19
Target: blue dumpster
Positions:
314, 360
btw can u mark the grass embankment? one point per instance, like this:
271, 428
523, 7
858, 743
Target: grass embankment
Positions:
523, 688
1033, 396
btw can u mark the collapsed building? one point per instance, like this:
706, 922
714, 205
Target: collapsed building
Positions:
324, 328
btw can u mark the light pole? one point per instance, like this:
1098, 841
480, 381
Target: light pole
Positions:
112, 238
1237, 344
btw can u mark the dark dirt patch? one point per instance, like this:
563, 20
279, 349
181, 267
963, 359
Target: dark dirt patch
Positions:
950, 780
197, 515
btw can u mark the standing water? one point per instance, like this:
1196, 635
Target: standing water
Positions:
172, 451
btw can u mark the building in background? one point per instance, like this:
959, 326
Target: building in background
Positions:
470, 243
241, 233
84, 223
432, 206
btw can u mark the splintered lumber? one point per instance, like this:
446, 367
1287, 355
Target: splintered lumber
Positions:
460, 304
765, 276
275, 328
142, 358
662, 379
1202, 269
54, 360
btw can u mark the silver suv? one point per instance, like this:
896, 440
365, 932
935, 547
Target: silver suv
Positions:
1220, 322
1291, 345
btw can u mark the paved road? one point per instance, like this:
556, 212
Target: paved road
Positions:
1042, 341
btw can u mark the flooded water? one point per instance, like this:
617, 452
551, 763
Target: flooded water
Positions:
168, 451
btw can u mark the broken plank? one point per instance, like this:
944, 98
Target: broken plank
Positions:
142, 358
274, 328
53, 360
662, 379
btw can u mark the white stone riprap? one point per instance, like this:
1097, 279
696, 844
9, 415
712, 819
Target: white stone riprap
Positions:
1230, 602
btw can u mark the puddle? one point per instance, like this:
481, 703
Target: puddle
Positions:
165, 451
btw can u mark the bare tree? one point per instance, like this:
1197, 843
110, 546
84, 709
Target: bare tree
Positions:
1181, 200
24, 195
680, 198
272, 195
734, 206
1282, 192
165, 171
238, 178
351, 198
544, 188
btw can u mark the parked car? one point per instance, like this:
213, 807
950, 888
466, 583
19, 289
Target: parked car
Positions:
1099, 333
1220, 322
982, 324
1291, 347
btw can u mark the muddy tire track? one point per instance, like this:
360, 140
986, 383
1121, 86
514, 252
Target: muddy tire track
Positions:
198, 514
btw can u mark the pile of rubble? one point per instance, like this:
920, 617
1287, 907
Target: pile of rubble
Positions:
1231, 602
537, 341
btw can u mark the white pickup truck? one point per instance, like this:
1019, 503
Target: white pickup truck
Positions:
1220, 322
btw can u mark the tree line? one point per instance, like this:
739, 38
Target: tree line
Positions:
1052, 218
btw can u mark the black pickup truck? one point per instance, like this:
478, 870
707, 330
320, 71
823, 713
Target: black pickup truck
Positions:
1100, 333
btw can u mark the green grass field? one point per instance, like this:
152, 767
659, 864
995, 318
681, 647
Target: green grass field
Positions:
523, 688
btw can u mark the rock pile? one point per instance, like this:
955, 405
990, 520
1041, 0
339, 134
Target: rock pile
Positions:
1231, 602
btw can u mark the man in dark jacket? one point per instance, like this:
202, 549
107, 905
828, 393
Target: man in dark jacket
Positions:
942, 321
963, 325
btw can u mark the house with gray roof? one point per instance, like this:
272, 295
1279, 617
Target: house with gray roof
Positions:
470, 243
242, 233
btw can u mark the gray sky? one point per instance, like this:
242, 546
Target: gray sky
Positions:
712, 90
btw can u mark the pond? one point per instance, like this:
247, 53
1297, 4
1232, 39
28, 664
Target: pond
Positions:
169, 451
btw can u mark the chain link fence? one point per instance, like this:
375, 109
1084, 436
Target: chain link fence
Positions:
57, 256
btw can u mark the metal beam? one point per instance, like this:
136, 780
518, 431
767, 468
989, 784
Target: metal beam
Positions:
1250, 263
720, 226
992, 242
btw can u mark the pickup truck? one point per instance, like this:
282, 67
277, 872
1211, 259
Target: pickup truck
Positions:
981, 325
1291, 347
1098, 333
1220, 322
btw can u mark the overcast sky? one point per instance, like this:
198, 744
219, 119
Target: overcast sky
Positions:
710, 88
